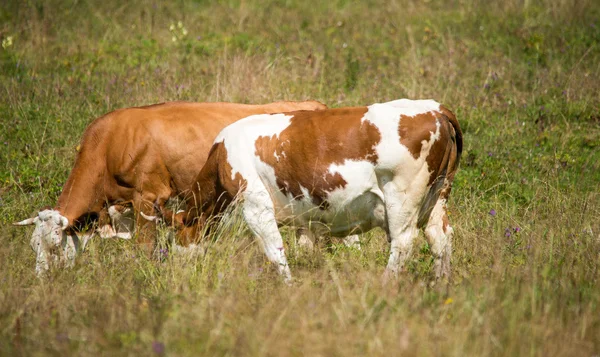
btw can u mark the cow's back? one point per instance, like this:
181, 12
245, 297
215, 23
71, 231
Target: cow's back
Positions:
177, 135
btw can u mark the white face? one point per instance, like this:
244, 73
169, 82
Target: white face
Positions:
48, 238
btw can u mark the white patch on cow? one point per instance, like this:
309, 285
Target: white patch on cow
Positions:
413, 107
360, 177
243, 134
427, 144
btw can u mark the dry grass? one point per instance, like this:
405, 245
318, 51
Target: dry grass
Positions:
522, 77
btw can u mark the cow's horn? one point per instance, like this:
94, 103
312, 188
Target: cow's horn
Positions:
150, 218
26, 222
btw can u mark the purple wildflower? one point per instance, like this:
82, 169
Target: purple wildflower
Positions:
493, 212
517, 229
158, 347
62, 337
507, 232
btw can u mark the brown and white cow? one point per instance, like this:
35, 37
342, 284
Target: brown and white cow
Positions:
142, 155
340, 171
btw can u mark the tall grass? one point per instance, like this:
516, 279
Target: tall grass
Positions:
522, 77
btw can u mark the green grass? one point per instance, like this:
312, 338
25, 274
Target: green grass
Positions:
522, 77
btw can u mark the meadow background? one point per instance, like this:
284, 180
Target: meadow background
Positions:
521, 76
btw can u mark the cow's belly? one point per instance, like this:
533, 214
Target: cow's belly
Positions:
360, 214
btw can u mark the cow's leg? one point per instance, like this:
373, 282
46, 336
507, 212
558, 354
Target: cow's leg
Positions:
439, 233
259, 213
402, 212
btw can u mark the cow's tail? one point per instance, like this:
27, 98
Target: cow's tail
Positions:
442, 185
456, 149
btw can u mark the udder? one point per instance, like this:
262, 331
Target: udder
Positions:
362, 214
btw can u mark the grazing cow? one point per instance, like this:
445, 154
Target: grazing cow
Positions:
142, 156
337, 171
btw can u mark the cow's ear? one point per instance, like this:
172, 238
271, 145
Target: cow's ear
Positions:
60, 220
64, 222
27, 221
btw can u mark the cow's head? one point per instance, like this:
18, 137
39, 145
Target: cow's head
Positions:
50, 241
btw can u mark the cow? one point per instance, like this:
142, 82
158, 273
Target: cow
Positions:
336, 171
138, 156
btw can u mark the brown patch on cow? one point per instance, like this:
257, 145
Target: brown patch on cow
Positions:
302, 153
445, 223
437, 159
416, 129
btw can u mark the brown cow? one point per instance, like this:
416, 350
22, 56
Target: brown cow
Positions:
338, 171
141, 155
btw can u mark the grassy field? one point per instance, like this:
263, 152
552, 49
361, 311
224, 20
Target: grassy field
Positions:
521, 76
